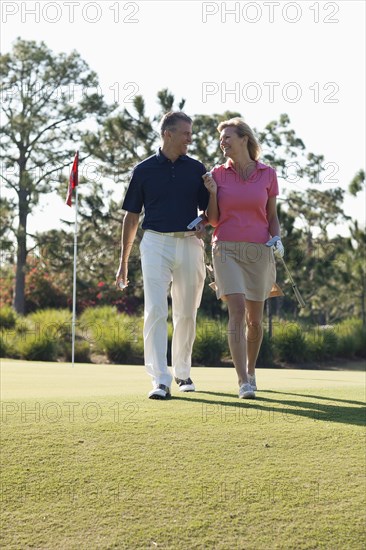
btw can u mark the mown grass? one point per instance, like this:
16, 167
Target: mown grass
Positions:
89, 462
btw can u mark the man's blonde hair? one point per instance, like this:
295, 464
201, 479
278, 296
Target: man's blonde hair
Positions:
242, 129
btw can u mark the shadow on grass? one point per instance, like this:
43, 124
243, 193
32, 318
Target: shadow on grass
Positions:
361, 403
314, 410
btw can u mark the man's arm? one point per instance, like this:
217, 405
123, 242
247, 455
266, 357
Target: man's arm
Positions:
129, 230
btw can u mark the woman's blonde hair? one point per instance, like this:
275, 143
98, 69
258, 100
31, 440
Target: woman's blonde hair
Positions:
242, 129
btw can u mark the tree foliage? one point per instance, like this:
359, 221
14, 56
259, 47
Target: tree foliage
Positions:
46, 97
50, 104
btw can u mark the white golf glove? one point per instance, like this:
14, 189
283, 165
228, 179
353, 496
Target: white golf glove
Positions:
279, 249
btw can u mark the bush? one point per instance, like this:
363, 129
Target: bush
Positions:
95, 324
96, 315
53, 324
8, 317
39, 348
210, 345
289, 343
42, 288
351, 338
321, 343
123, 342
265, 357
81, 352
4, 347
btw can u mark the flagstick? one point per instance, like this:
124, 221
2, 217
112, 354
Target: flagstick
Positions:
74, 279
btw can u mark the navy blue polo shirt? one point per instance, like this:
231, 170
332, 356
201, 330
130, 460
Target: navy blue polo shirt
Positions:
170, 192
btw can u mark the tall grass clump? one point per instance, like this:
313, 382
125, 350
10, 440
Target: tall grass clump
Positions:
122, 342
210, 345
8, 317
265, 356
289, 342
97, 324
321, 343
351, 338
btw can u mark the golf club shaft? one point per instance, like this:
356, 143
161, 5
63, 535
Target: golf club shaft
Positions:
293, 284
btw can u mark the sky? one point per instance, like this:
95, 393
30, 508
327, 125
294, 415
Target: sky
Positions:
260, 58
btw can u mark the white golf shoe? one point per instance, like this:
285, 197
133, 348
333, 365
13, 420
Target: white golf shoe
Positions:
252, 381
185, 385
160, 392
246, 392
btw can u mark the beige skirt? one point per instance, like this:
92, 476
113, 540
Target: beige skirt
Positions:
243, 268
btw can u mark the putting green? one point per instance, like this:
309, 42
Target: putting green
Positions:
89, 462
22, 379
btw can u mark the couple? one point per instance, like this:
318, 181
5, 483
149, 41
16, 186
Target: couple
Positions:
238, 198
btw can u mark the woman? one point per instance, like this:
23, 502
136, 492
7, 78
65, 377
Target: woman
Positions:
242, 208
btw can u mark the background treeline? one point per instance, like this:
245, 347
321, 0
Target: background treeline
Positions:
104, 334
51, 106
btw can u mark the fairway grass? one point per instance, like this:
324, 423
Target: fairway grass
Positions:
88, 462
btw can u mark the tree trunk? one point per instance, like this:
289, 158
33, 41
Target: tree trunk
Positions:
19, 297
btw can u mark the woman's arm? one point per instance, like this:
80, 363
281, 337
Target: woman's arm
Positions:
273, 223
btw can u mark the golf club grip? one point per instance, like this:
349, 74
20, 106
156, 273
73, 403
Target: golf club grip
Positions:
298, 296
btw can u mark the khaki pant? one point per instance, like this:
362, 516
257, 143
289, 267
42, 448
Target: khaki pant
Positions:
179, 262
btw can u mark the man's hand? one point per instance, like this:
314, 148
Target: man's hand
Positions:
121, 276
200, 230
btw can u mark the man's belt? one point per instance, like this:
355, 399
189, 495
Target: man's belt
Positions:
178, 234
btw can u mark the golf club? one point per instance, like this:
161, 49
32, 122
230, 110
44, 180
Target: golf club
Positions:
299, 298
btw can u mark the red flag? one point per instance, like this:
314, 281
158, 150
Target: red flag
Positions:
74, 178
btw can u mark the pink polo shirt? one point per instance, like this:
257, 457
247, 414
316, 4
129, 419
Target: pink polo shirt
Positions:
242, 203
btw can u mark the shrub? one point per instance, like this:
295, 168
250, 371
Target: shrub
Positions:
81, 352
265, 356
106, 329
4, 347
321, 343
351, 338
100, 314
211, 342
7, 274
289, 343
42, 288
9, 344
8, 317
41, 348
95, 323
54, 324
123, 342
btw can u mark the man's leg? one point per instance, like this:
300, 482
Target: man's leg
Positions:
156, 271
187, 287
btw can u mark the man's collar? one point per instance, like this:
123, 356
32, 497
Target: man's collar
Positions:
162, 158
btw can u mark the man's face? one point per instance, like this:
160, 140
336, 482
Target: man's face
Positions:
180, 137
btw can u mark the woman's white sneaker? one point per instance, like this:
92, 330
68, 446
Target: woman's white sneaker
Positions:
252, 381
246, 392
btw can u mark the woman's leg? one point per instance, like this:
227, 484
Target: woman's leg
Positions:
254, 332
236, 335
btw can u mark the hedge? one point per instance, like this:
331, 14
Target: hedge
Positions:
46, 336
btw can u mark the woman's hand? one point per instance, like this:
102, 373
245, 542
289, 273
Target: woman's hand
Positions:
210, 183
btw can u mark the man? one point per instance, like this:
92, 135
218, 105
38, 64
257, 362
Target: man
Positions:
169, 186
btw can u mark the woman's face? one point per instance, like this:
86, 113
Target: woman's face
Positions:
230, 143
